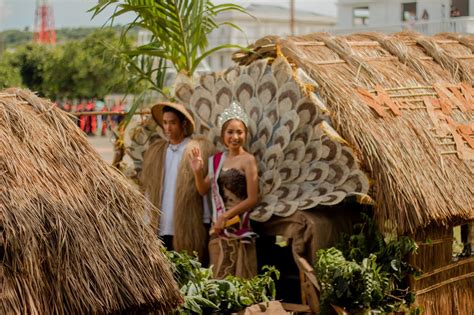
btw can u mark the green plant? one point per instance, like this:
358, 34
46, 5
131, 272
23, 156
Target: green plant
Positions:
204, 295
179, 38
179, 32
364, 272
179, 28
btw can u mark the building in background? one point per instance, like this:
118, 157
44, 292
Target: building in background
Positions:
424, 16
264, 20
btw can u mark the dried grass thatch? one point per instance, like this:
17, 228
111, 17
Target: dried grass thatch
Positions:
406, 104
73, 240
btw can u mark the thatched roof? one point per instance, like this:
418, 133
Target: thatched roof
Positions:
73, 239
405, 102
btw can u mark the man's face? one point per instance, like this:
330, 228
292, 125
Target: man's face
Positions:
173, 128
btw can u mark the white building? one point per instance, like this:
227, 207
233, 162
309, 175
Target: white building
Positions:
265, 20
425, 16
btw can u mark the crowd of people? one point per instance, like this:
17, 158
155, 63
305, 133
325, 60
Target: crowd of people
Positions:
91, 122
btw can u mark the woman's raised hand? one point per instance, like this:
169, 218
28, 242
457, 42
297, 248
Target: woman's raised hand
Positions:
195, 160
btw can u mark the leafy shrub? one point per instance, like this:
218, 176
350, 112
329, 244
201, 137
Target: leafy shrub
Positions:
204, 295
365, 272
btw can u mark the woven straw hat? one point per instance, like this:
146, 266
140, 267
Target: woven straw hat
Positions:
157, 113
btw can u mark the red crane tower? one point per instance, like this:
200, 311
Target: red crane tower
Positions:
44, 23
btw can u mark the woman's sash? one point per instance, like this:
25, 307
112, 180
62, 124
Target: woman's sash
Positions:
215, 166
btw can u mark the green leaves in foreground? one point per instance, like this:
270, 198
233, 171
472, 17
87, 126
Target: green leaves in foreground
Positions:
365, 272
203, 295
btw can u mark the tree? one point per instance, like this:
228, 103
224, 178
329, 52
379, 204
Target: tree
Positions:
88, 68
9, 74
12, 38
75, 69
31, 61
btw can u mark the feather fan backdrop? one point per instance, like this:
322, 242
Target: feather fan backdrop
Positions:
302, 161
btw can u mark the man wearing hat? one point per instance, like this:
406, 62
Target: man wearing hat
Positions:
169, 183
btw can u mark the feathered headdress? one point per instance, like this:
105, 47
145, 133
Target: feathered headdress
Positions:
234, 111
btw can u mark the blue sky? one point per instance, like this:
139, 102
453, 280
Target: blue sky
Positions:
19, 14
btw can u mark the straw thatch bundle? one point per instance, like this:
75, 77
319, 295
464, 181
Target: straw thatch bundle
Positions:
73, 240
406, 104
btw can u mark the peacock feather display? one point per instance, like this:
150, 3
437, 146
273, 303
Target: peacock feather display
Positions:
302, 161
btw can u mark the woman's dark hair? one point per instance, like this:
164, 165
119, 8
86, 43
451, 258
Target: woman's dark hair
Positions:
181, 117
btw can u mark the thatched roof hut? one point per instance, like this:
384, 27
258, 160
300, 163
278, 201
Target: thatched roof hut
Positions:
405, 103
331, 115
73, 239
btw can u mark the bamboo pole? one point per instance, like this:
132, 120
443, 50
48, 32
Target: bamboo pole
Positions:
412, 95
407, 88
443, 283
107, 113
310, 44
364, 43
464, 57
329, 62
447, 41
449, 152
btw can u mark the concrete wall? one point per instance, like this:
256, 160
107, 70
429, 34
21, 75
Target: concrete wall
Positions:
267, 23
389, 12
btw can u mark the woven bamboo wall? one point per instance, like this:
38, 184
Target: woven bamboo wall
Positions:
435, 248
447, 290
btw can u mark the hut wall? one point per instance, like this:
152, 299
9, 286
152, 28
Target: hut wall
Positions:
447, 290
435, 248
445, 286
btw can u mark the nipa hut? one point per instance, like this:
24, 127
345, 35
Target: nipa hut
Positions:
404, 103
329, 115
73, 239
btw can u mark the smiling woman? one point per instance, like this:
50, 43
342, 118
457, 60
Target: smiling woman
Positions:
233, 184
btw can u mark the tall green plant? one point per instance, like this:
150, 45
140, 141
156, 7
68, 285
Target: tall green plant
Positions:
9, 74
179, 38
179, 34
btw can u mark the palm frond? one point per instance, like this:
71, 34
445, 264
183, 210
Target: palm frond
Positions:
180, 27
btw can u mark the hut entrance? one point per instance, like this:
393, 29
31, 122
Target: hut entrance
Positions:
290, 244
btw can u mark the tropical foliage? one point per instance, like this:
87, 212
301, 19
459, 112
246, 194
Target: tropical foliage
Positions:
88, 65
179, 35
9, 75
365, 272
77, 69
179, 32
9, 39
204, 295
